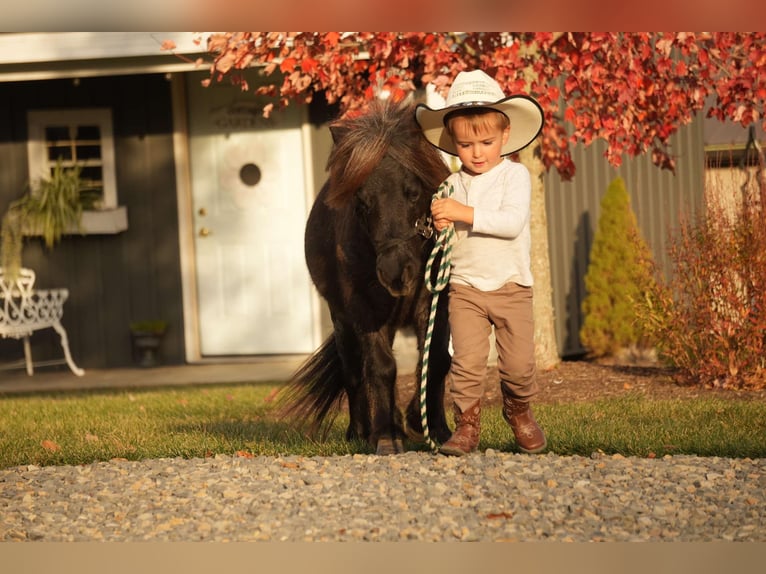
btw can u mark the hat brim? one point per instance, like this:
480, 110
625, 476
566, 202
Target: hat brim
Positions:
525, 113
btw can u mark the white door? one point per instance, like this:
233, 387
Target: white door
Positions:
250, 205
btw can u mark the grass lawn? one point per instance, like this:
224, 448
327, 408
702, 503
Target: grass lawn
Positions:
199, 421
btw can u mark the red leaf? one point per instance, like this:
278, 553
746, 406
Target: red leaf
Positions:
331, 39
309, 65
570, 85
51, 446
287, 65
224, 63
494, 515
553, 93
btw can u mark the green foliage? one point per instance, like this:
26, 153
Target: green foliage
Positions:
50, 208
154, 326
710, 318
241, 420
619, 274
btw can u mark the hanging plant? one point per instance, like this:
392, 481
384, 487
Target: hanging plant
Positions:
51, 208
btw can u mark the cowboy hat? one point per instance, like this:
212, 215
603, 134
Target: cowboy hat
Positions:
477, 90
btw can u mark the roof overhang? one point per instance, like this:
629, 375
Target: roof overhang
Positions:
43, 56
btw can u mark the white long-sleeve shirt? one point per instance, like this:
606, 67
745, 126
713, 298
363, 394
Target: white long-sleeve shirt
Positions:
496, 248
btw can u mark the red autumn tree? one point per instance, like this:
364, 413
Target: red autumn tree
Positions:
633, 90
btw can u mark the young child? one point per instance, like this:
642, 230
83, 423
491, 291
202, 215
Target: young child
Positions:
490, 283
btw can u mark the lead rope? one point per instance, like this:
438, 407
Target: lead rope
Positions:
435, 286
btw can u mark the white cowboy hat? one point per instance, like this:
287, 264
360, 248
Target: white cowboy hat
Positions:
477, 90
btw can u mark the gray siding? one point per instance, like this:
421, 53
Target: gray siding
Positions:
113, 279
658, 198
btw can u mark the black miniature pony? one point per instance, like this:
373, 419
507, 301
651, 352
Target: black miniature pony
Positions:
367, 241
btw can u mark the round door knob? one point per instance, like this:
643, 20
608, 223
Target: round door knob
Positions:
204, 232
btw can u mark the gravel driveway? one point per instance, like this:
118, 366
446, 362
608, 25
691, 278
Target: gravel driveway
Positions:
489, 496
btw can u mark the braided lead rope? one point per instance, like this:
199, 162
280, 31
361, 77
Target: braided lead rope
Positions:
435, 286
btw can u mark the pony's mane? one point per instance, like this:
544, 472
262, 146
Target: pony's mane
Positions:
361, 142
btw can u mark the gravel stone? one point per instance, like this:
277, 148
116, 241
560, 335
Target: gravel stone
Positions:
490, 496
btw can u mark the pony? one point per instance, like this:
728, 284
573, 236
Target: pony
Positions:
368, 237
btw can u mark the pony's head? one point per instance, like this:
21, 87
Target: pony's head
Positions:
383, 168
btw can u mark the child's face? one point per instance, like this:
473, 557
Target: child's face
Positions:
478, 146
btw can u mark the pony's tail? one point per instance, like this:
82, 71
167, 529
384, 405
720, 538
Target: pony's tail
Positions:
314, 394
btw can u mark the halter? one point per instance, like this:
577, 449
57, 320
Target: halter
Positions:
425, 226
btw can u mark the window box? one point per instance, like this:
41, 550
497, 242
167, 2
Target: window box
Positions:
100, 222
105, 221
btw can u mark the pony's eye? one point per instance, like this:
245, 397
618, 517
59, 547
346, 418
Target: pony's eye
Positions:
412, 194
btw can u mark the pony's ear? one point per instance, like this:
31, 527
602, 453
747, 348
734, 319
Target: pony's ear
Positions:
338, 130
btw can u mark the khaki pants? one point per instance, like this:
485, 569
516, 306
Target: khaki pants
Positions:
472, 313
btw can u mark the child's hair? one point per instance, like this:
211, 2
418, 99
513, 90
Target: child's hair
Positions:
477, 120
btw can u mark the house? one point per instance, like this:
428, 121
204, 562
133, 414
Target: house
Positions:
204, 200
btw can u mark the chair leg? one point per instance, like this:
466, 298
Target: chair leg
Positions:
65, 345
28, 357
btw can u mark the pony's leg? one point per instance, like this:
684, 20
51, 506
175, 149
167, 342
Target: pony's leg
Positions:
379, 376
350, 353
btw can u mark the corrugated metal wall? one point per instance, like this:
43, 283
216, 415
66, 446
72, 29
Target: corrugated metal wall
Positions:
657, 197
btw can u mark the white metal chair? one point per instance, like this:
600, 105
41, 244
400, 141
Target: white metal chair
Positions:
24, 310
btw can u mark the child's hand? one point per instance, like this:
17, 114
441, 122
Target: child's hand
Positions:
441, 224
446, 211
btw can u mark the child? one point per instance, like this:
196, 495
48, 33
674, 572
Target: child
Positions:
488, 202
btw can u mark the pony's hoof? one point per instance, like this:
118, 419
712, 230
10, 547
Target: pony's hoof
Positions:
414, 435
387, 445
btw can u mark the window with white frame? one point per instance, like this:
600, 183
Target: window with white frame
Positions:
76, 137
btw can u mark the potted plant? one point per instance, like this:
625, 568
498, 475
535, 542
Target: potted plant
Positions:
50, 208
146, 337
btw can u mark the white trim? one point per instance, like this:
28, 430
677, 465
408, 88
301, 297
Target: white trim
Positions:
49, 56
25, 48
100, 69
185, 218
37, 157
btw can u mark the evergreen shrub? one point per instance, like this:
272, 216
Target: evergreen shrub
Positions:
620, 273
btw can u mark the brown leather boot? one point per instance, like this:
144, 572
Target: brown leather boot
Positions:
529, 436
465, 438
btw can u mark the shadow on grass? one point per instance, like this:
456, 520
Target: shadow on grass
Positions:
628, 426
267, 435
204, 420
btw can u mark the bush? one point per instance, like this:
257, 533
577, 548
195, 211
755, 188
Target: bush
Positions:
50, 207
710, 318
619, 274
